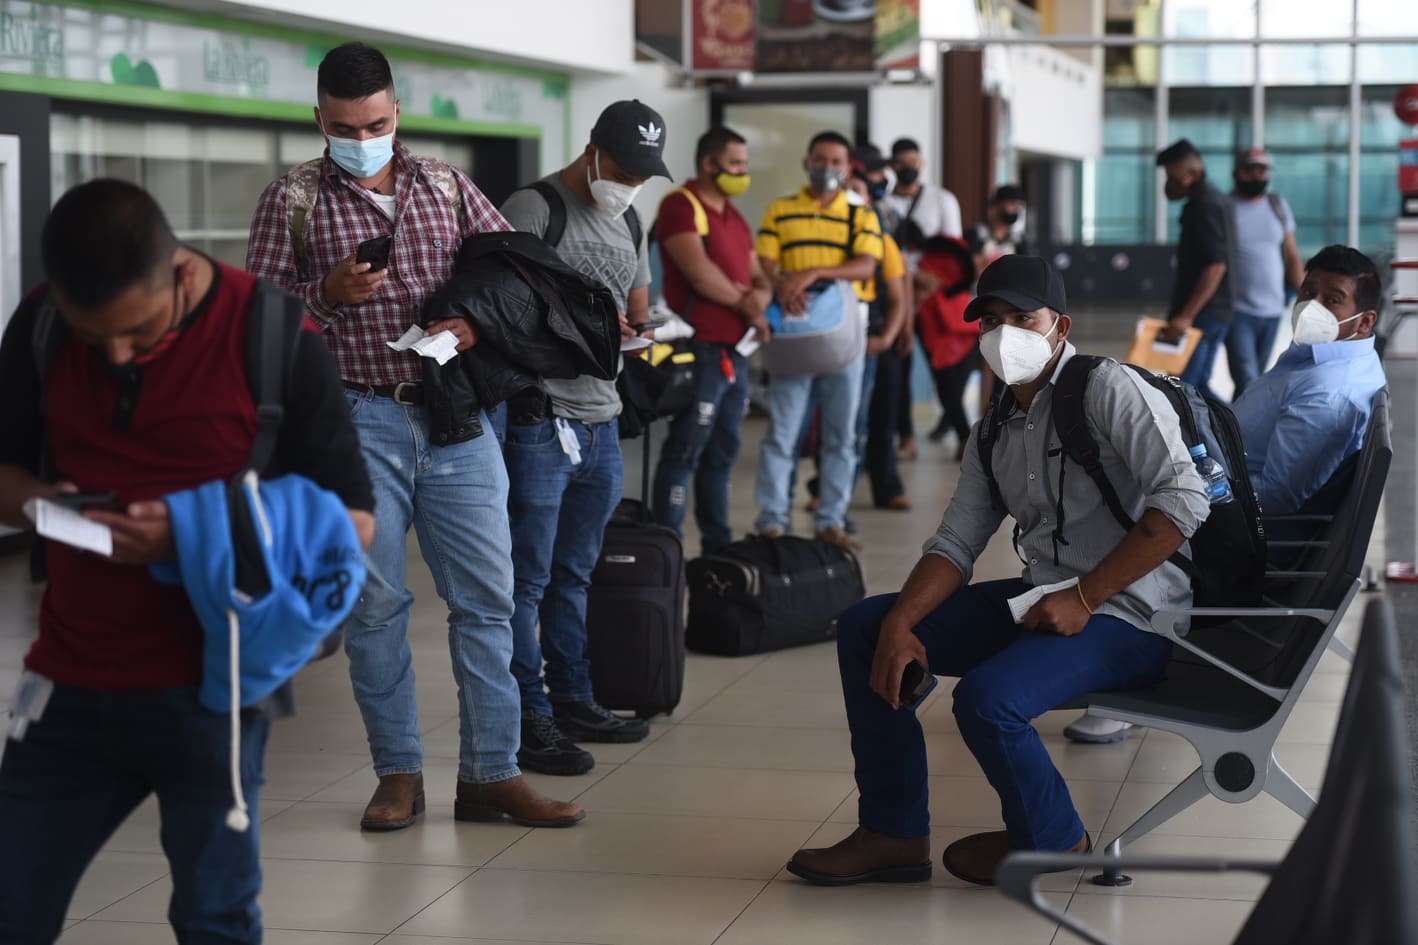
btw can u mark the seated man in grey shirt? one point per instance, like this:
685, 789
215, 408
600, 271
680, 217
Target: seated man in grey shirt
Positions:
1089, 635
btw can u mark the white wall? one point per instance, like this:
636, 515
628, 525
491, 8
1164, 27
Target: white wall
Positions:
566, 35
1056, 103
685, 110
906, 111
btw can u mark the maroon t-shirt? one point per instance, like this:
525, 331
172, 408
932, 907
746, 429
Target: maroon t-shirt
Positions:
182, 418
730, 248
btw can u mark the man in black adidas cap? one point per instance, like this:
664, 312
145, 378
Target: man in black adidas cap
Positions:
563, 448
1083, 602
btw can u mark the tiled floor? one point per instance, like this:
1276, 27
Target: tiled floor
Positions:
687, 833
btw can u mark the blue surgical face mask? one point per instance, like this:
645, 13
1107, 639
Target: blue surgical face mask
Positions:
362, 157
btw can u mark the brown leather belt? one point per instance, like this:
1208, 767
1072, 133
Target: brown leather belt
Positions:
407, 393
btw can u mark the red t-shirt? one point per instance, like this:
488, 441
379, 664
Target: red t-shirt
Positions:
730, 248
183, 418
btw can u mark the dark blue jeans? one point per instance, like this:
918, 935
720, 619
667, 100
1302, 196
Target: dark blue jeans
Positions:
84, 767
1213, 339
703, 445
558, 513
1008, 677
1248, 347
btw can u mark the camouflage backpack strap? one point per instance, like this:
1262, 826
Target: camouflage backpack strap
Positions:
302, 191
442, 176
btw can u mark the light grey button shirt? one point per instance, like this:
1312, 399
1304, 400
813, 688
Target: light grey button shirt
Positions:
1144, 458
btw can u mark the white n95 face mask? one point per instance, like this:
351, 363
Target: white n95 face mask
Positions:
1314, 324
1017, 355
611, 196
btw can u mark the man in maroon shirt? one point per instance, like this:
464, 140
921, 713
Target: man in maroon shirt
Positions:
146, 395
449, 485
715, 281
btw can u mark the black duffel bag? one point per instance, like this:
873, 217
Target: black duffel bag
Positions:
764, 594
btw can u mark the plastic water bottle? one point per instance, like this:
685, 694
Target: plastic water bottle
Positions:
1218, 484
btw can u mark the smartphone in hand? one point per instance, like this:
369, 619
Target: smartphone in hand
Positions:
916, 683
83, 501
642, 327
375, 252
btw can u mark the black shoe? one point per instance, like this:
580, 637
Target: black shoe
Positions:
546, 749
592, 722
939, 434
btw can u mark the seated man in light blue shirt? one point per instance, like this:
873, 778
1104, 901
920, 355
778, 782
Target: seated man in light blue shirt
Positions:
1301, 420
1308, 414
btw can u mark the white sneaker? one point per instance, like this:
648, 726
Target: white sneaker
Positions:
1096, 730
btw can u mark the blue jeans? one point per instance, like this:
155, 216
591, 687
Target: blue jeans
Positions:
1008, 677
1213, 338
860, 433
839, 396
559, 514
703, 445
83, 768
1248, 347
455, 497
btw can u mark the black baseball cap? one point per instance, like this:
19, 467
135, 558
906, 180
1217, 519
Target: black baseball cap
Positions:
1026, 282
868, 158
634, 134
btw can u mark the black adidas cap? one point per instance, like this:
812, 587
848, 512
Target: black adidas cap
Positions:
1026, 282
634, 134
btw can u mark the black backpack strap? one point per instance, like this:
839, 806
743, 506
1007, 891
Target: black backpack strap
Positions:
556, 213
989, 432
47, 337
637, 232
1071, 425
275, 322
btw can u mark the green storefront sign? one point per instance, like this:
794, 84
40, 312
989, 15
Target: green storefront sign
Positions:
129, 53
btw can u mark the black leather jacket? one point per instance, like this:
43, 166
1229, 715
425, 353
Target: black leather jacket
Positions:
535, 317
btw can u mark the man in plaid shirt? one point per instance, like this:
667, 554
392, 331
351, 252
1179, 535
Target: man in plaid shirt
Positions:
305, 236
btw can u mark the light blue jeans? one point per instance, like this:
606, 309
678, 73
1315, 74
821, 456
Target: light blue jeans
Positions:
838, 396
456, 499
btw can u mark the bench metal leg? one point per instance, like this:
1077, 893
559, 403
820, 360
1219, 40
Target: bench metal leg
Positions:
1285, 789
1181, 797
1342, 649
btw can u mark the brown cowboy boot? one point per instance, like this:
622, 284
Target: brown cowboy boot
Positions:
396, 803
866, 857
516, 800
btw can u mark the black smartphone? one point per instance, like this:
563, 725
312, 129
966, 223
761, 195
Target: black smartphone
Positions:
642, 327
83, 501
375, 252
916, 683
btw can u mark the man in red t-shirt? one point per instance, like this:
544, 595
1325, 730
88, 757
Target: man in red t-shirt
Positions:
146, 394
714, 280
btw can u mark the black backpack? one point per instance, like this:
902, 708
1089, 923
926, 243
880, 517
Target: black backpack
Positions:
1227, 567
556, 216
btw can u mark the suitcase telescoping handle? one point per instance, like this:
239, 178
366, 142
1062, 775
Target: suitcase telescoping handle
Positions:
645, 466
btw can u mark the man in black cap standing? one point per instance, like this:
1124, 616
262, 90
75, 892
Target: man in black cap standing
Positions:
1084, 602
563, 448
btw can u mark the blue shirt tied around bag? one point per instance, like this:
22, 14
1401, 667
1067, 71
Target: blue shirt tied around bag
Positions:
1302, 418
271, 568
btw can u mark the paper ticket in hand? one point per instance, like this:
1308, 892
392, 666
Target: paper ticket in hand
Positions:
57, 523
635, 343
442, 347
749, 343
1019, 606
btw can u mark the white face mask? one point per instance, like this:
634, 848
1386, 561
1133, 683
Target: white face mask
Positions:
612, 197
1314, 324
1017, 355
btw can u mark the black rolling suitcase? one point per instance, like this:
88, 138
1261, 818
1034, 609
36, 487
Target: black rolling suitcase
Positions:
764, 594
635, 611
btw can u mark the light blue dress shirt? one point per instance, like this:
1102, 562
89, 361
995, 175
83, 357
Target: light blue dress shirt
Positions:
1302, 418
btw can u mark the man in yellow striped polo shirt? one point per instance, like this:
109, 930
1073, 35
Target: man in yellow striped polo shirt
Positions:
808, 239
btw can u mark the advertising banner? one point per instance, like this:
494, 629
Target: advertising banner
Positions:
721, 33
898, 34
816, 36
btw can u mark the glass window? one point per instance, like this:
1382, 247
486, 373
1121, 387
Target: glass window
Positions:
206, 177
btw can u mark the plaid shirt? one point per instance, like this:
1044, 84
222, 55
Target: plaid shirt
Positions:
429, 233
